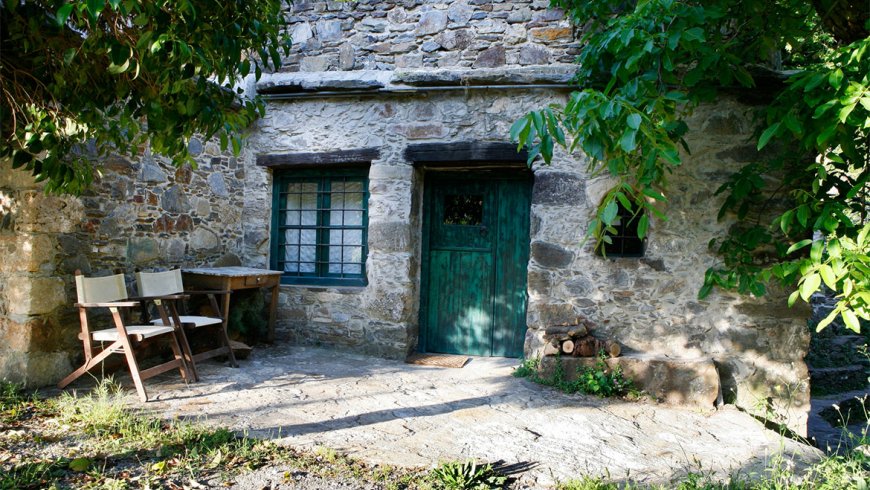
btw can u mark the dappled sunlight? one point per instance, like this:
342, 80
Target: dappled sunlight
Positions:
389, 412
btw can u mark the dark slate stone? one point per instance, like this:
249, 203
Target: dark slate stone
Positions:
174, 200
194, 147
430, 46
218, 185
491, 58
558, 188
550, 255
534, 55
152, 173
431, 22
655, 264
579, 286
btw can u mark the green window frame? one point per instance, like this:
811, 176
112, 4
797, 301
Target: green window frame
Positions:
320, 226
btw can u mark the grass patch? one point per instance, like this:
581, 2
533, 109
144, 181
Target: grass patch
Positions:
599, 380
97, 441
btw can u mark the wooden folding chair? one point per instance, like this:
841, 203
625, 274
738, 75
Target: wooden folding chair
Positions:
110, 292
167, 288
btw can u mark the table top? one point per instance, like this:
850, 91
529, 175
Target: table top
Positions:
231, 271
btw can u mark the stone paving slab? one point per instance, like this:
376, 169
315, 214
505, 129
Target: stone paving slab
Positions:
393, 413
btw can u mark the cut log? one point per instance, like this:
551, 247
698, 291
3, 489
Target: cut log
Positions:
551, 350
586, 347
577, 331
556, 330
613, 349
568, 347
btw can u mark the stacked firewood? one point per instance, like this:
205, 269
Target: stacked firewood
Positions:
576, 340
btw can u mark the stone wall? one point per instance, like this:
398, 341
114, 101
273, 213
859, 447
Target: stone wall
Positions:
390, 34
380, 318
650, 304
140, 214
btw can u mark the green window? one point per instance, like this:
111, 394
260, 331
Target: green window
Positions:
320, 221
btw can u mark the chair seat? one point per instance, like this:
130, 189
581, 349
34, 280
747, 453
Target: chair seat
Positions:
145, 331
197, 321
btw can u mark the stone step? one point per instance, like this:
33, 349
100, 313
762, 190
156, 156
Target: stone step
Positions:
693, 381
824, 381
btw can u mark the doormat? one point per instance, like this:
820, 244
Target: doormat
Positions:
440, 360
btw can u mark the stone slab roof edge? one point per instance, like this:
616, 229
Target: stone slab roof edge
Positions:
388, 81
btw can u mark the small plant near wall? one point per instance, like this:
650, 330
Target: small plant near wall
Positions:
599, 380
468, 475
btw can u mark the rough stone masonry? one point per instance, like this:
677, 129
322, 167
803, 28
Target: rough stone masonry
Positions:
384, 75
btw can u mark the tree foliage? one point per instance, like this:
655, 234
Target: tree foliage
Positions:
82, 78
647, 64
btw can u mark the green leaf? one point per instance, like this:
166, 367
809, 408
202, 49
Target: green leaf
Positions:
803, 213
642, 226
609, 213
518, 126
827, 320
851, 321
835, 79
809, 286
63, 13
767, 134
816, 251
828, 276
799, 245
80, 465
633, 121
95, 7
845, 111
862, 235
68, 56
627, 142
792, 298
650, 192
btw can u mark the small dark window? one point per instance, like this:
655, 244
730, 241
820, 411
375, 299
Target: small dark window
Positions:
625, 242
463, 209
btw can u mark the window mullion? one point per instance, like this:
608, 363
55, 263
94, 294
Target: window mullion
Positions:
323, 222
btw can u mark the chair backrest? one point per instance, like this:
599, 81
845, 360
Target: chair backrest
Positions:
159, 283
100, 289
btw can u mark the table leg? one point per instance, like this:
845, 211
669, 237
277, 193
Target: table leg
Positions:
273, 308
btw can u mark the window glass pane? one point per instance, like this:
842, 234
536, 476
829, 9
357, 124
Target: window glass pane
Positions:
352, 260
307, 256
291, 259
291, 237
463, 209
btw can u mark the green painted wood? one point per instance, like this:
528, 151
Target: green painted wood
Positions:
512, 257
473, 298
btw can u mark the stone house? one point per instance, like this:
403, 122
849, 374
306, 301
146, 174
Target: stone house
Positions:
382, 183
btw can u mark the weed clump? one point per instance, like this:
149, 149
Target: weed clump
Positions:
600, 380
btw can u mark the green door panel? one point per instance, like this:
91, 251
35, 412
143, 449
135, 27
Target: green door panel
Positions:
476, 246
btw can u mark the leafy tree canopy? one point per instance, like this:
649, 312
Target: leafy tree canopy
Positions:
81, 78
647, 63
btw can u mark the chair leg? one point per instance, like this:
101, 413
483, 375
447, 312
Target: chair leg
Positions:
187, 368
88, 365
172, 318
133, 366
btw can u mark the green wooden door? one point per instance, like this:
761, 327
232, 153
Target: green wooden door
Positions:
476, 248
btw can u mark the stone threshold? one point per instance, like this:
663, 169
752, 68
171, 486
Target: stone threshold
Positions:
676, 381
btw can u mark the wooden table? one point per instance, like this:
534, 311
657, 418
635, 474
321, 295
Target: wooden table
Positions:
234, 279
